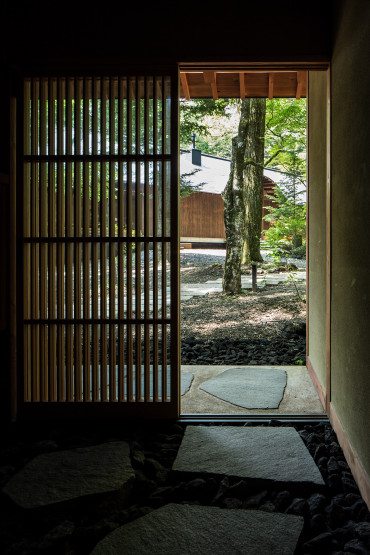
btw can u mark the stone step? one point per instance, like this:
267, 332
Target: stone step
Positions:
189, 529
264, 453
66, 475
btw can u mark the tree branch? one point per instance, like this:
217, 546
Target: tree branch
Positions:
273, 156
253, 163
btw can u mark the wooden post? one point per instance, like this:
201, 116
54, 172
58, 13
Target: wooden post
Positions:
254, 277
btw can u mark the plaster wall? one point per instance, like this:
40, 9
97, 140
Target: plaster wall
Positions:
317, 223
350, 305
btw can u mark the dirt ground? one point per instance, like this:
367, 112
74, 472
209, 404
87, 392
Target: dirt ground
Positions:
263, 314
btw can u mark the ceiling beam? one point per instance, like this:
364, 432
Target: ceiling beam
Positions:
185, 85
242, 85
300, 83
210, 78
271, 85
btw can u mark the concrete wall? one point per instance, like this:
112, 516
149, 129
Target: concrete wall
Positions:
317, 223
350, 330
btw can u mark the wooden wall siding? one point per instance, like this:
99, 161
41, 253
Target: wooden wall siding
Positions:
96, 248
268, 190
202, 214
226, 84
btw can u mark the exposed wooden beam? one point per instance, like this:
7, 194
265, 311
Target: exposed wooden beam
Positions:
300, 83
210, 78
242, 85
271, 85
185, 85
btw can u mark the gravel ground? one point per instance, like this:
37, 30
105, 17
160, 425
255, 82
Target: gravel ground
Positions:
268, 314
211, 256
336, 519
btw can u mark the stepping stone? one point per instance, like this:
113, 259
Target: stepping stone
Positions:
276, 453
64, 475
251, 388
192, 530
186, 381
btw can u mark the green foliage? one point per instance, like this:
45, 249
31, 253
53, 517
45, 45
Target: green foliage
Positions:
216, 122
288, 221
199, 116
285, 137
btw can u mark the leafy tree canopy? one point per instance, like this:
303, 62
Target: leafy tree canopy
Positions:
285, 137
216, 122
198, 116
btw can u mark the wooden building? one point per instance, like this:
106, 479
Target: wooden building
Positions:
202, 215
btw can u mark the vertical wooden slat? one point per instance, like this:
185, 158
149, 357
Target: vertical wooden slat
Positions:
27, 247
103, 245
112, 254
43, 246
146, 248
60, 244
35, 205
15, 390
121, 232
138, 244
164, 245
95, 246
86, 245
52, 246
69, 246
155, 244
77, 246
175, 251
130, 118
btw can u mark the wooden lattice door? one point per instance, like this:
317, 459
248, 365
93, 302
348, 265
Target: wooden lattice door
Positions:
98, 324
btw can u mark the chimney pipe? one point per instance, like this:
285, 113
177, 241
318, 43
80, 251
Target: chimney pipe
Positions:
196, 155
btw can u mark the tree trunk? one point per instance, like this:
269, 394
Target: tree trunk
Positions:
234, 210
245, 185
253, 180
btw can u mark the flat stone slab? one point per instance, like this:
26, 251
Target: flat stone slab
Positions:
251, 388
65, 475
266, 453
193, 530
186, 379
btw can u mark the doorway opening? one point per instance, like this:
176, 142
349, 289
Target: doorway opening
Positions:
240, 354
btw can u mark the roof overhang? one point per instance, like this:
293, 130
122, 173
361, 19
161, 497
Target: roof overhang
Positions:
258, 83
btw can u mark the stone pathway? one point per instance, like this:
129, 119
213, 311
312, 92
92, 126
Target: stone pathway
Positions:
276, 454
211, 490
189, 290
